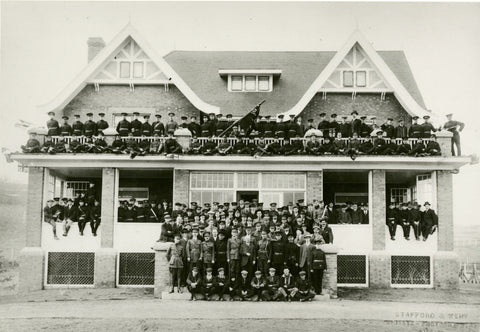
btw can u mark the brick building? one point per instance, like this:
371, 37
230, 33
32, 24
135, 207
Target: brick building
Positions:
127, 75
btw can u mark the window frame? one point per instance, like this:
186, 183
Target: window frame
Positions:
244, 82
354, 78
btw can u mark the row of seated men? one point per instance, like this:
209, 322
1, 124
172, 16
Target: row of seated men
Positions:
409, 216
215, 125
244, 265
67, 211
337, 146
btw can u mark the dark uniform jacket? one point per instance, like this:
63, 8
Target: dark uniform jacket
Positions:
264, 250
345, 129
66, 129
53, 127
392, 216
90, 128
171, 126
415, 131
194, 250
195, 129
401, 132
292, 252
136, 127
233, 248
167, 233
175, 255
318, 261
278, 252
158, 128
429, 218
101, 126
247, 253
124, 127
147, 129
389, 130
427, 129
77, 128
208, 250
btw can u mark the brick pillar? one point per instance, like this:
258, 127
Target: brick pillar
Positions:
446, 266
445, 213
379, 268
314, 186
444, 139
106, 256
377, 204
162, 274
329, 282
181, 184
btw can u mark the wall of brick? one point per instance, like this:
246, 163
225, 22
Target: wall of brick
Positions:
181, 185
34, 206
445, 270
445, 213
111, 97
379, 268
314, 186
365, 104
109, 179
378, 207
329, 282
162, 274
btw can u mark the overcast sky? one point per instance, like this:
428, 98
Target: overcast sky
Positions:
43, 47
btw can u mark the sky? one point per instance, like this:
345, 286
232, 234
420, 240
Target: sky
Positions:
43, 47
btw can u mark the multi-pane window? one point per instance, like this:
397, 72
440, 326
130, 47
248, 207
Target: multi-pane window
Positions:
399, 195
250, 83
124, 69
74, 188
138, 70
283, 180
133, 69
355, 78
248, 180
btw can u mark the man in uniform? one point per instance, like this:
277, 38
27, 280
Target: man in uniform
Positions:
172, 147
324, 125
48, 213
313, 146
415, 130
388, 128
278, 252
208, 251
65, 128
157, 127
124, 126
52, 125
403, 221
194, 126
328, 147
101, 124
221, 125
90, 127
280, 127
224, 147
310, 125
243, 289
70, 215
455, 127
433, 148
404, 149
48, 146
414, 218
264, 253
290, 127
233, 254
222, 290
379, 144
427, 127
418, 148
365, 129
194, 284
33, 145
401, 131
209, 285
206, 127
77, 126
95, 216
131, 146
136, 125
247, 254
299, 128
429, 221
83, 216
171, 125
345, 127
146, 127
269, 127
356, 123
183, 123
294, 147
340, 144
392, 220
209, 148
318, 264
334, 125
303, 288
270, 293
241, 147
194, 251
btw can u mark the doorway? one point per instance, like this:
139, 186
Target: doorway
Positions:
247, 195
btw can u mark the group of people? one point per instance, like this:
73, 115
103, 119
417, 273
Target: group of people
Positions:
409, 216
363, 138
85, 208
239, 251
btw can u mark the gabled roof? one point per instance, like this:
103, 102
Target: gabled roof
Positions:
200, 70
97, 63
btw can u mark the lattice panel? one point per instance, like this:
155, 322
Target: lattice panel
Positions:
70, 268
351, 269
410, 270
136, 268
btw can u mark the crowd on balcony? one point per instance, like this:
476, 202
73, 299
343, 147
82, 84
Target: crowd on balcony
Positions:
352, 138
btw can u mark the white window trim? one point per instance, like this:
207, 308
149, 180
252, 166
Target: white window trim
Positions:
354, 79
131, 62
270, 83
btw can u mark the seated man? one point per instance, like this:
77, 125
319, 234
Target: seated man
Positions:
366, 146
286, 286
313, 146
194, 285
379, 144
118, 145
258, 285
303, 290
243, 288
32, 146
404, 149
340, 144
100, 143
172, 147
95, 217
89, 145
131, 146
48, 212
418, 149
294, 147
433, 148
75, 146
143, 146
48, 146
209, 286
224, 147
261, 148
328, 147
195, 146
222, 290
241, 147
270, 293
209, 148
275, 148
156, 146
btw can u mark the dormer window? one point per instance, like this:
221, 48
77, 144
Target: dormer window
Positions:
250, 83
356, 78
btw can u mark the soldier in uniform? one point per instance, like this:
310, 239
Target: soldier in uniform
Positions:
427, 127
310, 125
290, 127
124, 127
77, 126
83, 216
404, 149
221, 125
416, 130
222, 290
334, 125
324, 125
365, 129
379, 144
195, 146
221, 251
60, 146
146, 128
70, 215
292, 252
388, 128
392, 220
270, 293
209, 148
194, 126
247, 254
171, 125
401, 131
131, 146
258, 285
233, 254
328, 147
33, 145
136, 125
65, 128
48, 146
429, 221
280, 127
194, 251
318, 264
313, 146
241, 147
172, 146
208, 251
303, 288
175, 255
117, 146
224, 147
209, 285
95, 216
294, 147
206, 127
273, 148
264, 253
345, 127
433, 148
418, 148
194, 284
157, 126
269, 127
52, 125
90, 127
101, 124
278, 252
299, 128
455, 127
356, 123
183, 123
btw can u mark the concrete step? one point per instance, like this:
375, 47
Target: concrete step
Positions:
185, 296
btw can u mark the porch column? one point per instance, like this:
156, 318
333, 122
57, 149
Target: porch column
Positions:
379, 260
181, 186
106, 256
445, 261
162, 274
444, 139
314, 186
32, 257
329, 282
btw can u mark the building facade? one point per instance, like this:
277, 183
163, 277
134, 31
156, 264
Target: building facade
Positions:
126, 76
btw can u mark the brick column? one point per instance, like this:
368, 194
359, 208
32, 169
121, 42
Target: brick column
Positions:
162, 274
32, 258
106, 256
444, 139
329, 282
445, 213
377, 203
181, 185
446, 266
379, 268
314, 186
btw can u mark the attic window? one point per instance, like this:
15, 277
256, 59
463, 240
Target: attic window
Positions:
131, 69
250, 83
356, 78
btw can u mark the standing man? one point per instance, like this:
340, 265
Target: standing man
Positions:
264, 253
233, 254
455, 127
392, 220
194, 251
427, 127
90, 127
318, 264
101, 124
124, 126
171, 125
136, 125
324, 125
401, 131
356, 123
334, 126
65, 129
388, 128
175, 255
157, 127
194, 126
414, 218
345, 127
146, 127
52, 125
77, 126
416, 130
429, 221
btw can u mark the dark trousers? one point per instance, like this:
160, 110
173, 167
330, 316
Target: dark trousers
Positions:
176, 277
262, 265
456, 142
94, 224
406, 229
81, 224
392, 228
234, 268
426, 230
293, 267
317, 277
416, 229
304, 296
